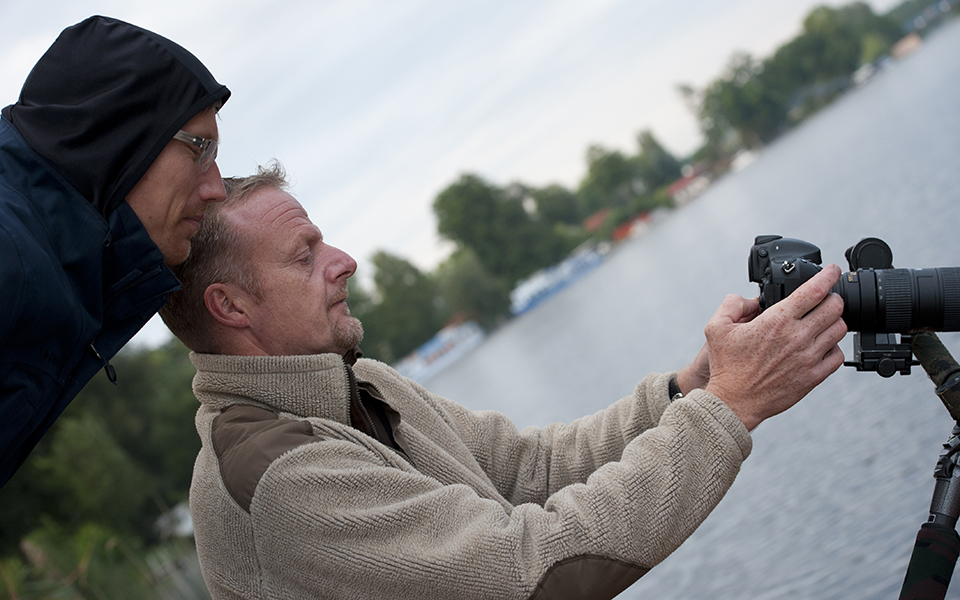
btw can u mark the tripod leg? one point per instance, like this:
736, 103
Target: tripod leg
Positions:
931, 564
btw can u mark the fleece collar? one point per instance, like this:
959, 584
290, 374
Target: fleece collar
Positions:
314, 385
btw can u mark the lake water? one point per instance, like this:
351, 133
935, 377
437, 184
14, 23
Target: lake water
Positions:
830, 501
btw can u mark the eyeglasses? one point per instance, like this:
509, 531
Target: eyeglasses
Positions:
208, 147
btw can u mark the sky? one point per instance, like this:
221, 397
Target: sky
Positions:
375, 106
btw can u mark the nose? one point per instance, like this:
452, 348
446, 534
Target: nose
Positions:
211, 185
341, 266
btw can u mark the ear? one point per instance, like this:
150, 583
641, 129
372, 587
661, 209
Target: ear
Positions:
228, 304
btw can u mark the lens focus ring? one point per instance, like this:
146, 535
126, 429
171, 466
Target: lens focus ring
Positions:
895, 299
951, 298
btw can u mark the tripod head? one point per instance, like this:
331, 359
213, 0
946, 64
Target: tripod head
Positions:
884, 353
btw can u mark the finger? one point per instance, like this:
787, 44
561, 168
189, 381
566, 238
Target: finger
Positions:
812, 292
834, 358
832, 361
826, 364
824, 347
751, 308
832, 335
732, 309
825, 314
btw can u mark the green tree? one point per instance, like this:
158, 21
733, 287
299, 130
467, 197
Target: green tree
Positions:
87, 562
494, 224
470, 291
874, 46
86, 503
833, 42
655, 165
758, 100
119, 455
743, 101
557, 204
92, 562
612, 179
97, 480
408, 311
721, 141
905, 13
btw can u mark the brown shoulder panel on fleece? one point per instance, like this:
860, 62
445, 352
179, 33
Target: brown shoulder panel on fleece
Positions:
587, 577
247, 440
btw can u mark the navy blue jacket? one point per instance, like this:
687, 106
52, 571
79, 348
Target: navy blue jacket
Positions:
74, 289
79, 276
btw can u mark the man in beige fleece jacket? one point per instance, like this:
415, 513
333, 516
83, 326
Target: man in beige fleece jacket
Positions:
324, 476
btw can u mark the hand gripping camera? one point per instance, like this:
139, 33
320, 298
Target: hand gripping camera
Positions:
880, 302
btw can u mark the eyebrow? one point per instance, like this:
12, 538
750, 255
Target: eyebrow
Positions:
304, 238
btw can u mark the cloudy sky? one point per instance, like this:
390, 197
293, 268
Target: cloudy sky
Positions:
374, 106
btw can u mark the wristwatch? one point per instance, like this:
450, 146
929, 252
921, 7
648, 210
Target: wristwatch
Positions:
674, 390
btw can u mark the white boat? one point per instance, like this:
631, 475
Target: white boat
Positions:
440, 351
546, 282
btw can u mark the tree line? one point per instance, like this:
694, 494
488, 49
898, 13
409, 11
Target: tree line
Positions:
84, 517
503, 234
757, 100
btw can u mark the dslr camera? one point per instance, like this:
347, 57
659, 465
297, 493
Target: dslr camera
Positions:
880, 303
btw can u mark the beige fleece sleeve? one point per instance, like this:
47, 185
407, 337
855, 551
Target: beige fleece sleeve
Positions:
530, 465
336, 519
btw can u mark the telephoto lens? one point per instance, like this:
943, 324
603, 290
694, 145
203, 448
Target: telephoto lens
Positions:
901, 300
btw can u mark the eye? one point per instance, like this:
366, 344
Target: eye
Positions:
194, 152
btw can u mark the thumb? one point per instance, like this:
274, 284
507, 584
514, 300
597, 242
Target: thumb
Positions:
735, 309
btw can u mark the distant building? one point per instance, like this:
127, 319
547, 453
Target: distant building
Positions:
689, 186
595, 221
907, 45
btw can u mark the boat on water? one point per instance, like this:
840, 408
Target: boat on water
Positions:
440, 351
454, 341
546, 282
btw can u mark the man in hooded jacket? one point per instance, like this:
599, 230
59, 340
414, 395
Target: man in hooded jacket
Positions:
107, 162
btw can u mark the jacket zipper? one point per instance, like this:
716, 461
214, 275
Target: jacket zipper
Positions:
107, 367
355, 399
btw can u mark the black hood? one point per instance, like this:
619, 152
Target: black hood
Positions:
103, 102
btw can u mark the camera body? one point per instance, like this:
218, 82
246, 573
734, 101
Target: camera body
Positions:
781, 265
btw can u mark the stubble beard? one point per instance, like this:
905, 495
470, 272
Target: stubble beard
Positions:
348, 332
